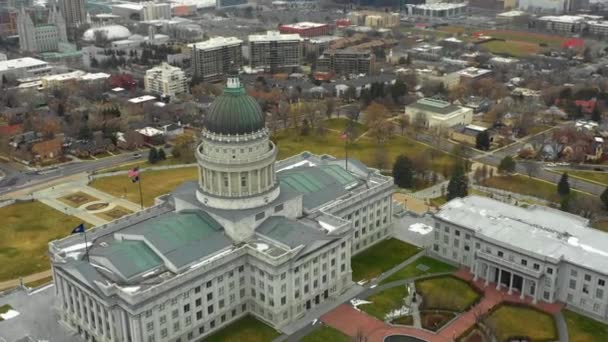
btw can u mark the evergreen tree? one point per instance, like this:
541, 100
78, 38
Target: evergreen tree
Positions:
153, 156
482, 141
507, 165
161, 154
596, 115
604, 198
563, 187
403, 173
458, 185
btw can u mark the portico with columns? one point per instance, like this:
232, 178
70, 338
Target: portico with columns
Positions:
526, 284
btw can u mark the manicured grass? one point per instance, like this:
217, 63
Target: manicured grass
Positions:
592, 176
510, 321
154, 184
326, 334
524, 36
380, 258
4, 309
601, 225
511, 48
290, 142
77, 199
385, 302
584, 329
340, 124
25, 231
446, 293
245, 329
527, 186
39, 282
141, 164
404, 320
412, 270
114, 213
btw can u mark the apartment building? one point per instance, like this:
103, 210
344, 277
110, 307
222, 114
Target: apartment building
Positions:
166, 80
346, 62
214, 58
274, 51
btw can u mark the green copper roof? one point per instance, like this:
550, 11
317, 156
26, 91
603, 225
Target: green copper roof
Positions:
130, 257
234, 112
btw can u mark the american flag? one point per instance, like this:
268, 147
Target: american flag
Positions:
134, 175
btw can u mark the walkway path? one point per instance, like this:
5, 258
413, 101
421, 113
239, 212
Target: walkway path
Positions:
353, 322
27, 279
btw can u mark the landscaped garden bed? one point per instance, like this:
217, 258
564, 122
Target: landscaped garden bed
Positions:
447, 293
434, 319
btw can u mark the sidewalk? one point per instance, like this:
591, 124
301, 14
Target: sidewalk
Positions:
27, 279
317, 312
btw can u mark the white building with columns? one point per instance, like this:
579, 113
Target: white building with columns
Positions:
252, 236
538, 252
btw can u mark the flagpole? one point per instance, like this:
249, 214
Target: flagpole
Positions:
346, 151
86, 245
141, 195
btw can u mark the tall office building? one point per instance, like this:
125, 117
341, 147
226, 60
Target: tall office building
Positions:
166, 80
74, 12
214, 58
274, 51
251, 237
41, 37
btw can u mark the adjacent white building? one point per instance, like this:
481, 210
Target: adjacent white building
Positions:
23, 68
166, 80
439, 113
251, 237
537, 252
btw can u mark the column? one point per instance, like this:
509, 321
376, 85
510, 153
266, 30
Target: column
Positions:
511, 284
250, 180
523, 289
487, 274
535, 295
259, 171
123, 326
499, 277
111, 322
475, 270
229, 183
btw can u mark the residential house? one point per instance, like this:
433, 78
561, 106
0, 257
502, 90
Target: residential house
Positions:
151, 135
129, 140
47, 150
172, 130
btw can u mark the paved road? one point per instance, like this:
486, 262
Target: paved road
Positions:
16, 180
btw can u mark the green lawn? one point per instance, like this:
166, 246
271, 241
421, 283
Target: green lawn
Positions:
326, 334
584, 329
154, 184
290, 143
511, 48
141, 164
527, 186
25, 231
412, 270
446, 293
592, 176
245, 329
385, 302
3, 309
340, 124
510, 321
39, 282
601, 225
380, 258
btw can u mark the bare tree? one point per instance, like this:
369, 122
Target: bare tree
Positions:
403, 121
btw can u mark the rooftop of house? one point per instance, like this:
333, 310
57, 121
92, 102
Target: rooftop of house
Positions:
536, 230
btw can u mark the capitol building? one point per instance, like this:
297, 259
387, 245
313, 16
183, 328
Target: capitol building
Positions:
253, 236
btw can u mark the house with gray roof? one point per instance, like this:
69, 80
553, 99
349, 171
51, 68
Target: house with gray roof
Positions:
252, 236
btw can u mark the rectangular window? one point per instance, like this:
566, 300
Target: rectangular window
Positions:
278, 208
524, 262
260, 216
587, 277
572, 284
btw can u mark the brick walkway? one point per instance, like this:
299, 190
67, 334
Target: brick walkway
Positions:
352, 322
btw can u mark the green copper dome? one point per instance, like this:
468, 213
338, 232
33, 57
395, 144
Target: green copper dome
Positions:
234, 112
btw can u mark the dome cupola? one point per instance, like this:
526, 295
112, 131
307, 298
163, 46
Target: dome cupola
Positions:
234, 112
